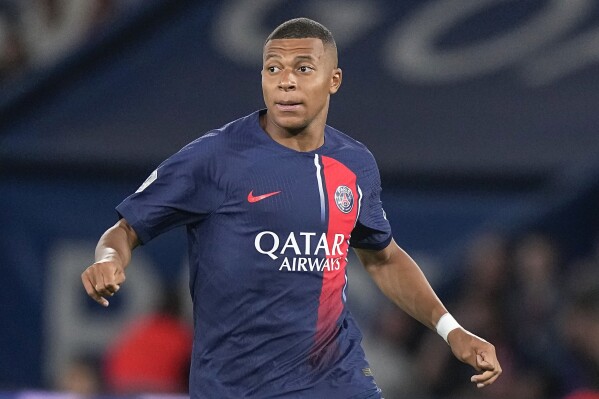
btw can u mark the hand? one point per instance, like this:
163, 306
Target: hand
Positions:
103, 279
476, 352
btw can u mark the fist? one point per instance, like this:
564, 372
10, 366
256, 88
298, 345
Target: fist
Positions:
476, 352
102, 280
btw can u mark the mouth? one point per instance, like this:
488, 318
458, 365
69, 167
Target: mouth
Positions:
287, 105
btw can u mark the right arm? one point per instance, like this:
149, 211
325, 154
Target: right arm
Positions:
113, 254
183, 190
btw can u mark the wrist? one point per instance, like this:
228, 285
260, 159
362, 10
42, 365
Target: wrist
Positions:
114, 260
108, 255
445, 325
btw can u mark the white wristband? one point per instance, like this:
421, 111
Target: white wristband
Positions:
446, 324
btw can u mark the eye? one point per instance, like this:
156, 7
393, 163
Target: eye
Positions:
273, 69
305, 68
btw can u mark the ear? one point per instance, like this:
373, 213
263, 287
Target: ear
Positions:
336, 78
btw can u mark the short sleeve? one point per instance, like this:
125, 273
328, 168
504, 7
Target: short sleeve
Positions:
372, 230
183, 190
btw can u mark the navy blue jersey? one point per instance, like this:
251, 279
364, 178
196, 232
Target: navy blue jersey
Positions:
269, 230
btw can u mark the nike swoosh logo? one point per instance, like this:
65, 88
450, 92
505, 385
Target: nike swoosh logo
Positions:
252, 198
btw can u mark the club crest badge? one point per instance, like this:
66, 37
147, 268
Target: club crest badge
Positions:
344, 198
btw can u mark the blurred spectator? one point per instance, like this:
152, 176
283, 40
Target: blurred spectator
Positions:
585, 394
480, 306
391, 343
534, 301
82, 377
153, 354
580, 331
12, 48
586, 264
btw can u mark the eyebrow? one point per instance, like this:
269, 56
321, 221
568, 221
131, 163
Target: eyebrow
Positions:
297, 58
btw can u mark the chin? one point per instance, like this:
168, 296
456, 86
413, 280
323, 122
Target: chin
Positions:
290, 122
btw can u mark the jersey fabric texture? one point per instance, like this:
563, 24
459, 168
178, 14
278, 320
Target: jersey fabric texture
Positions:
269, 230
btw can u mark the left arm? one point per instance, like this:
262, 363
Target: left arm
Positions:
402, 281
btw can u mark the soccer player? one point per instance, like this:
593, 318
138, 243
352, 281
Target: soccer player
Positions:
272, 202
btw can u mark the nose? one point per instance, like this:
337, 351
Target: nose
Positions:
287, 81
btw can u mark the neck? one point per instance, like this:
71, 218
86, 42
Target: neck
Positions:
305, 139
302, 141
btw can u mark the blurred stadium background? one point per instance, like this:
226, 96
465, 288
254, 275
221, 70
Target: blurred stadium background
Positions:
483, 116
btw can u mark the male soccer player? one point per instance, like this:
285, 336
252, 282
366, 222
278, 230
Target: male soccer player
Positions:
272, 202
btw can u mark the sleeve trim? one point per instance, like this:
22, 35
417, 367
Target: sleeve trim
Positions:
375, 246
124, 211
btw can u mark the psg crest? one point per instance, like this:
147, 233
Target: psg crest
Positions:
344, 198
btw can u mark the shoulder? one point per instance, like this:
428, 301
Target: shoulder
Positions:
347, 148
222, 140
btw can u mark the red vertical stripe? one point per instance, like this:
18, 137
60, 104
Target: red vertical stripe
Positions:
331, 297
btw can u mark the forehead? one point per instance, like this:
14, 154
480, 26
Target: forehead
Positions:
311, 47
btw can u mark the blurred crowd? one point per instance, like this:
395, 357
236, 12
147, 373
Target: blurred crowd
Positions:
540, 310
37, 33
151, 354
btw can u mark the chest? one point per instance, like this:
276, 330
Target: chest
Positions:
299, 192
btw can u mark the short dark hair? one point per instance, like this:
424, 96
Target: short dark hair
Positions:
302, 28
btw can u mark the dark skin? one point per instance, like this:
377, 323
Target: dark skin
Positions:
298, 78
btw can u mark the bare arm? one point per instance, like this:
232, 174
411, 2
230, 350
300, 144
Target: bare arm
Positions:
113, 254
402, 281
